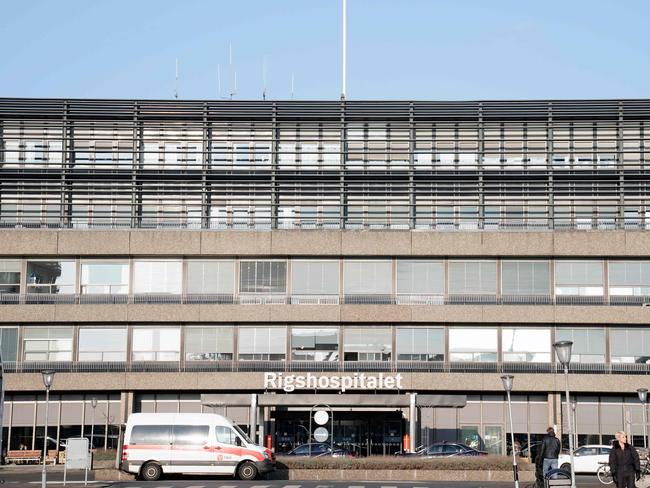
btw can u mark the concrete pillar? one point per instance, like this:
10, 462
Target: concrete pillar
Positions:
253, 418
413, 419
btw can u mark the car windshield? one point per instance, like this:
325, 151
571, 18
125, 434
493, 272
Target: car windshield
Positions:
242, 434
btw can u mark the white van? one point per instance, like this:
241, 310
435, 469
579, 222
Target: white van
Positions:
190, 443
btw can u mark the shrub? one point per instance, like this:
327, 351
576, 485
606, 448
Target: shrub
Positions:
482, 463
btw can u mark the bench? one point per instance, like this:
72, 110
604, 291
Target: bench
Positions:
23, 456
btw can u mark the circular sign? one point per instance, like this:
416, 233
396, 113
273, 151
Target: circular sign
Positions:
321, 417
321, 434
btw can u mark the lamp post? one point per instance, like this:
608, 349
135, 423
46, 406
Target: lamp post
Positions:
643, 398
563, 353
93, 402
48, 378
574, 406
507, 385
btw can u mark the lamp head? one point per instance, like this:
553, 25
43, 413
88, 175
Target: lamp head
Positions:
48, 377
643, 394
563, 352
507, 380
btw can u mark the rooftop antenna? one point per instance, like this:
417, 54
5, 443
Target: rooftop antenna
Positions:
344, 51
219, 80
233, 74
176, 82
264, 78
292, 80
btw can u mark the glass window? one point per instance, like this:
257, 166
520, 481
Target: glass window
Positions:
225, 435
629, 278
315, 277
263, 277
473, 344
105, 278
156, 344
211, 277
102, 344
312, 344
584, 278
420, 277
420, 344
367, 277
9, 343
157, 277
209, 343
630, 345
190, 435
367, 343
9, 276
47, 344
157, 435
526, 345
525, 277
262, 343
588, 344
472, 277
54, 277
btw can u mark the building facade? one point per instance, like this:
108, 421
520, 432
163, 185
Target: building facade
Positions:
388, 259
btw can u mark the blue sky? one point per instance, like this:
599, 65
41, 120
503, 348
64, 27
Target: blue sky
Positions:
397, 49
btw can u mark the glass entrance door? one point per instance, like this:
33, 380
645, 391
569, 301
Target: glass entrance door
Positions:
493, 439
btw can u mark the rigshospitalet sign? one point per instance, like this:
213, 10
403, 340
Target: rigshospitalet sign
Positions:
356, 381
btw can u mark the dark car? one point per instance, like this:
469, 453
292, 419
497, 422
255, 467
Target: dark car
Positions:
319, 449
448, 449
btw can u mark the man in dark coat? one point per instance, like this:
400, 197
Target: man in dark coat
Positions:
549, 451
624, 462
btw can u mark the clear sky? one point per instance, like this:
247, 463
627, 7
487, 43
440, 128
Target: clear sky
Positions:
397, 49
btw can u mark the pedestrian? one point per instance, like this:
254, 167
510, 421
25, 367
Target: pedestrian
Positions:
548, 452
624, 462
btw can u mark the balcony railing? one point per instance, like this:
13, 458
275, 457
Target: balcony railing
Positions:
348, 299
322, 366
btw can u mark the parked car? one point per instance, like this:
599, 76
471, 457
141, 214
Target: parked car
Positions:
448, 449
319, 449
587, 458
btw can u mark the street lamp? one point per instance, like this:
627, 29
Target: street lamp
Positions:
93, 402
563, 353
643, 398
507, 385
574, 407
48, 378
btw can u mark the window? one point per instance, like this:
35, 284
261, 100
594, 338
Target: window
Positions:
209, 343
47, 344
157, 435
9, 343
472, 277
420, 277
588, 344
526, 345
311, 344
157, 277
630, 345
629, 278
367, 277
367, 344
420, 344
105, 278
102, 344
583, 278
262, 343
525, 277
211, 277
53, 277
263, 277
9, 276
473, 344
225, 435
315, 277
163, 344
190, 435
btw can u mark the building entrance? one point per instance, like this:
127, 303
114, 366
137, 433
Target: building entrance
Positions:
364, 433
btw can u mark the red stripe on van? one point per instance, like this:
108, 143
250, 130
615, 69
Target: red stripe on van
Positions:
237, 451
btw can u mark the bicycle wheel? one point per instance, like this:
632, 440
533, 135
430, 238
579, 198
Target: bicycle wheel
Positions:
604, 475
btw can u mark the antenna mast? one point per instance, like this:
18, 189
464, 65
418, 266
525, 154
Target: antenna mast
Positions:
219, 80
264, 78
176, 82
344, 53
233, 74
292, 79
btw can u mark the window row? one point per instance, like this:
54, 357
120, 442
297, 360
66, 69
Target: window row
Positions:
321, 343
405, 278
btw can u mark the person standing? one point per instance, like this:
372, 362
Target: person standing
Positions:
548, 452
624, 462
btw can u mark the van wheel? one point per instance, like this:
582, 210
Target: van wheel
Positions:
150, 472
247, 471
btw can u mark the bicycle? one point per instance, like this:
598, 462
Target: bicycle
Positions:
644, 479
604, 474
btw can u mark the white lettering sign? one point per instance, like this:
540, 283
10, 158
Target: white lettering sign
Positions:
357, 381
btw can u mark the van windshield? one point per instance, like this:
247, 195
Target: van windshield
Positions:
242, 433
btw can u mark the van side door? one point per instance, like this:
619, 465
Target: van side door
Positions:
191, 449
